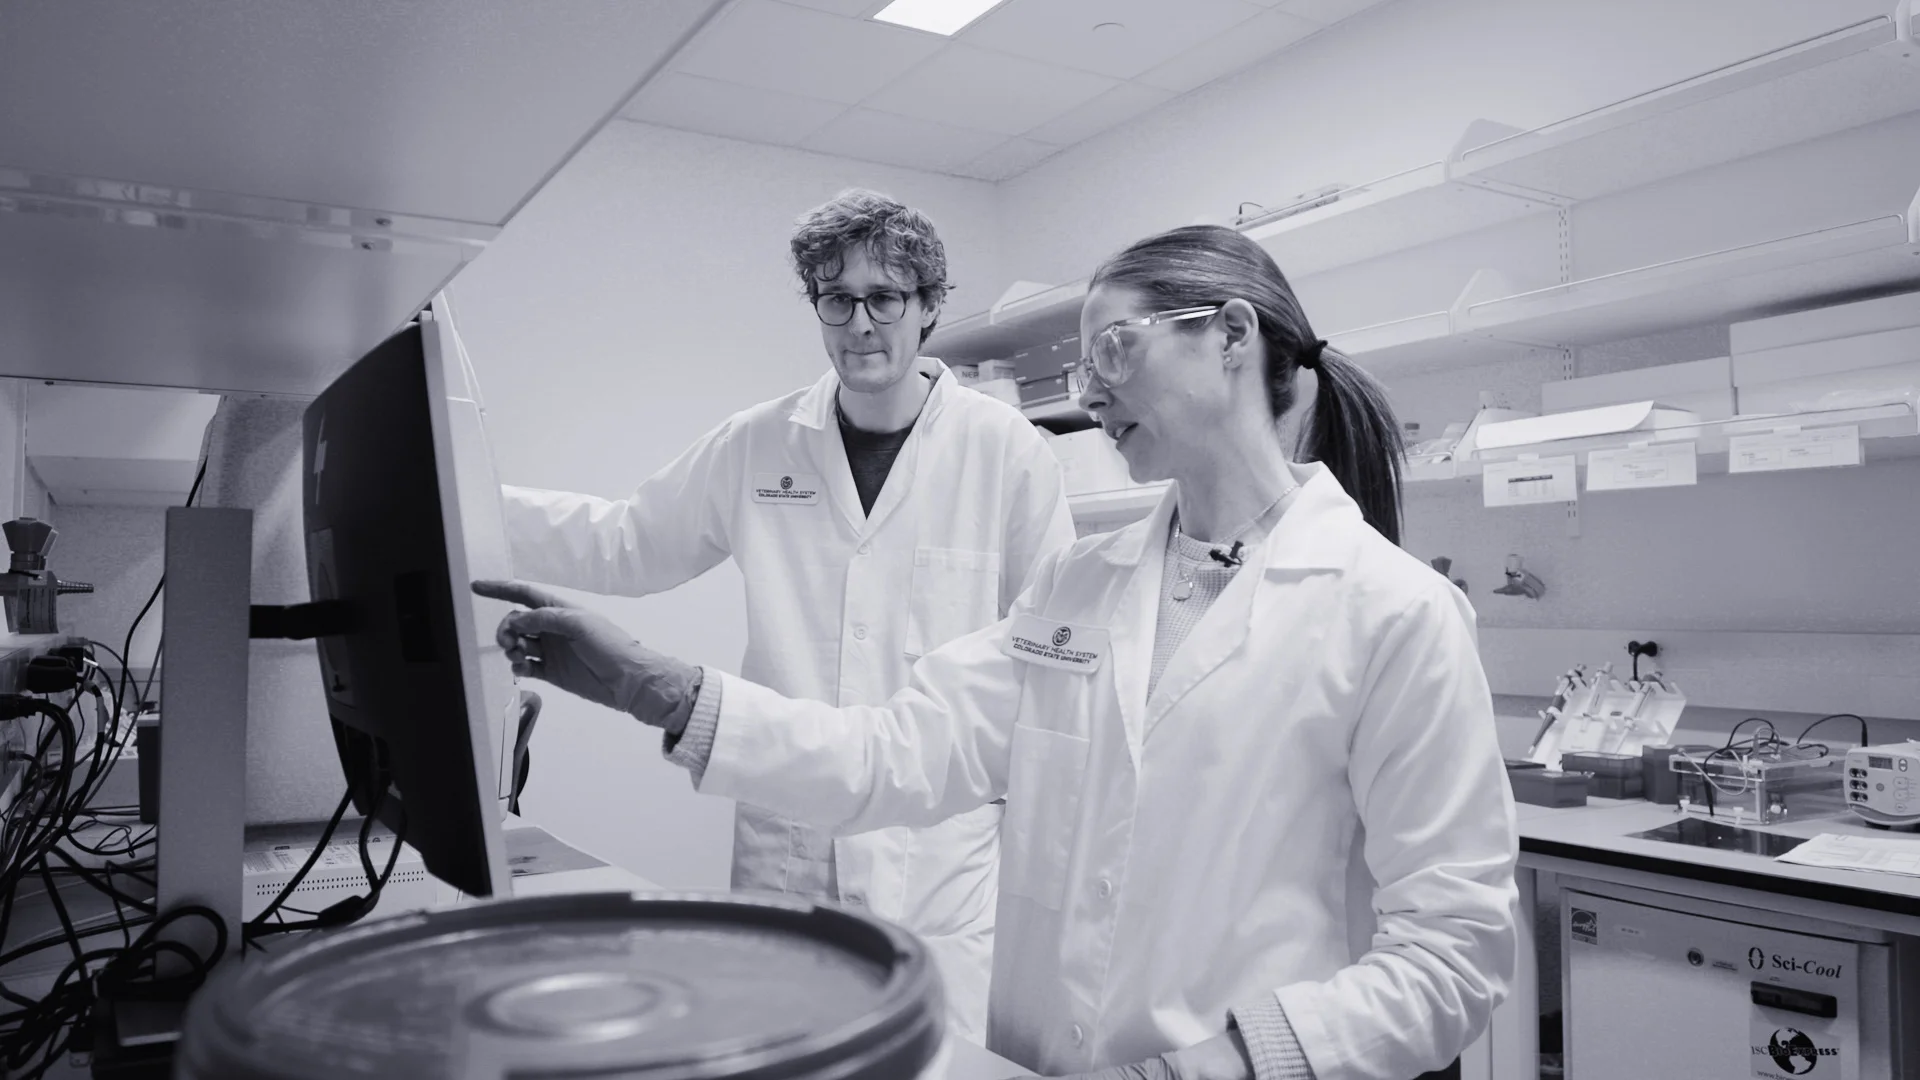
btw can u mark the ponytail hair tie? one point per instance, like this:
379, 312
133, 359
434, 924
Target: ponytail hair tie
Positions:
1310, 356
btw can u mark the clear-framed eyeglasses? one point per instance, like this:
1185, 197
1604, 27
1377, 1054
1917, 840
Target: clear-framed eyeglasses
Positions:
1107, 356
883, 307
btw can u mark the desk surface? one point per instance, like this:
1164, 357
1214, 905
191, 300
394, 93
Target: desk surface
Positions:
1602, 832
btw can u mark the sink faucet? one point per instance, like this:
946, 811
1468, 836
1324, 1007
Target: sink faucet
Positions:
28, 587
1521, 581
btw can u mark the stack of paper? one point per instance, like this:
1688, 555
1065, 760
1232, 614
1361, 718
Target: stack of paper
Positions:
1879, 854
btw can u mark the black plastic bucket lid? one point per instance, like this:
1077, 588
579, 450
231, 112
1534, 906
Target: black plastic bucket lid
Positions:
647, 986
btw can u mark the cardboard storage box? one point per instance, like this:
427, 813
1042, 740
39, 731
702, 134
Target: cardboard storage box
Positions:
1790, 363
1804, 395
1039, 388
1004, 389
1046, 361
995, 369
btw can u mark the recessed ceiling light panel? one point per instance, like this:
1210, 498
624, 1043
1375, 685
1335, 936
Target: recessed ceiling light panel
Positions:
943, 17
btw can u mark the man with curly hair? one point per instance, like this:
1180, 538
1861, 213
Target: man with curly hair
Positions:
875, 515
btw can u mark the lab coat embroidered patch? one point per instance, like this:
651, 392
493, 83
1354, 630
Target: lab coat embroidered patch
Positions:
1056, 645
786, 488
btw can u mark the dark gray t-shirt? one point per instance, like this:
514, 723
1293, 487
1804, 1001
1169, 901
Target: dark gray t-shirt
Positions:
870, 454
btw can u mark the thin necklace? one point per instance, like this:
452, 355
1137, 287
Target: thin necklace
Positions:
1183, 588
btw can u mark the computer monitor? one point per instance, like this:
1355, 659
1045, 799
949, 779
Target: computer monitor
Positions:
400, 511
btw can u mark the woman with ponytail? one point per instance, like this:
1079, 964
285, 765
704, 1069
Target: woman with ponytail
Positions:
1257, 825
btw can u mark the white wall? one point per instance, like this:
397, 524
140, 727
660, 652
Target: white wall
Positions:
1388, 90
638, 300
22, 494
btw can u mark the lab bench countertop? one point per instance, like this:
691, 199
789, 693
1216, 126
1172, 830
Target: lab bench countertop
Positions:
1601, 833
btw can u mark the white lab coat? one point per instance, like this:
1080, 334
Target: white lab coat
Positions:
839, 605
1325, 727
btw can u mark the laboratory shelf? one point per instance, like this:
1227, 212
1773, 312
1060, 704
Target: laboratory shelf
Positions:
1007, 329
1893, 420
1118, 506
1422, 343
1856, 75
1852, 76
1062, 410
1402, 344
1750, 281
1420, 206
1888, 431
1319, 234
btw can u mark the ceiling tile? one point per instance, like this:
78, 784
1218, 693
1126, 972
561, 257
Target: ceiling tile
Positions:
777, 46
1149, 33
1116, 106
1325, 12
870, 135
1009, 159
855, 9
1251, 41
715, 107
989, 91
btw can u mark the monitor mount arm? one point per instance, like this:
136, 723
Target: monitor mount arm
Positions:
300, 622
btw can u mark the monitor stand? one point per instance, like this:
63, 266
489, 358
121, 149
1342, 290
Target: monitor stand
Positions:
203, 754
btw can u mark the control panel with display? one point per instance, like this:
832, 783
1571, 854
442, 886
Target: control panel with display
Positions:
1883, 783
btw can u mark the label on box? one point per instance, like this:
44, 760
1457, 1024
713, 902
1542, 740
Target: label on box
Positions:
1540, 480
1658, 465
1821, 448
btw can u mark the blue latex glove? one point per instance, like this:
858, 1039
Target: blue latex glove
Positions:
584, 653
1150, 1069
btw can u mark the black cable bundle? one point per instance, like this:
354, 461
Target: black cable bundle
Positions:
342, 912
55, 801
37, 1034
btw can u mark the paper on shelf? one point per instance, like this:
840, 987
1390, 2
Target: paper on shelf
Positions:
1820, 448
1583, 424
1876, 854
1657, 465
1531, 480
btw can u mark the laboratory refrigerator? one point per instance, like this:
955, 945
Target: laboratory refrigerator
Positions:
1661, 986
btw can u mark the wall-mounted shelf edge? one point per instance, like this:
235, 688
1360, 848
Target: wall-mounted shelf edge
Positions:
1123, 505
1892, 429
1396, 213
1849, 77
1748, 281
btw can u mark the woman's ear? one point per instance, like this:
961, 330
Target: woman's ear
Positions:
1241, 326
